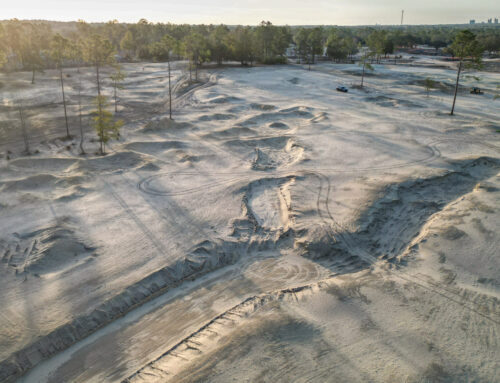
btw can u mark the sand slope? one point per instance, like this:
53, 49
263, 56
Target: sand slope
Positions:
276, 230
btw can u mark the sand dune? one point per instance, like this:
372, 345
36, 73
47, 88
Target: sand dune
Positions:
275, 230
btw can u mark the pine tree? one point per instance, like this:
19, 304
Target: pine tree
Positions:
104, 123
465, 47
366, 65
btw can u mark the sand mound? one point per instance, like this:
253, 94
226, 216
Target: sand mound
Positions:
270, 152
390, 102
164, 124
154, 146
235, 131
270, 142
149, 167
114, 162
262, 106
278, 125
223, 100
44, 164
47, 250
71, 194
40, 181
320, 117
298, 112
269, 202
216, 117
479, 167
272, 158
183, 156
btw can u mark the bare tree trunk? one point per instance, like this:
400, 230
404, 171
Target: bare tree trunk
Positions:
33, 76
64, 101
99, 109
98, 81
101, 128
116, 106
190, 72
23, 129
363, 75
456, 87
169, 91
82, 151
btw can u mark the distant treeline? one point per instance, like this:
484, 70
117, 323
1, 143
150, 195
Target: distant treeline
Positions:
25, 44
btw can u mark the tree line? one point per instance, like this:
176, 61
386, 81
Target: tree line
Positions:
24, 45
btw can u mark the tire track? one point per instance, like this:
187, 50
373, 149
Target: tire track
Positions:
126, 208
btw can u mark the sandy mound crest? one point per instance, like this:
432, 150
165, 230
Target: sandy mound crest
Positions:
164, 124
235, 131
269, 203
50, 249
44, 164
217, 117
154, 146
41, 182
296, 112
118, 161
272, 158
257, 106
389, 102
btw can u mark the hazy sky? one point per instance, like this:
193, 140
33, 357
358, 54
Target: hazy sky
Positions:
295, 12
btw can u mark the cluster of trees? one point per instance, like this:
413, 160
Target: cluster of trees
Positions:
265, 43
24, 44
341, 43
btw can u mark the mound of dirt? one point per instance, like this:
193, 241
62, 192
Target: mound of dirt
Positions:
268, 202
235, 131
118, 161
164, 124
320, 117
296, 112
54, 164
272, 157
278, 125
223, 100
40, 182
154, 146
47, 250
390, 102
299, 111
216, 117
262, 106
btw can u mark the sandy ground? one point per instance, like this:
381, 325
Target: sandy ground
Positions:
276, 230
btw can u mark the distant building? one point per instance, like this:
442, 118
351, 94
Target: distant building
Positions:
472, 22
489, 21
496, 20
291, 51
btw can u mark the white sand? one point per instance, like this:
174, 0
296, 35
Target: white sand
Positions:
376, 206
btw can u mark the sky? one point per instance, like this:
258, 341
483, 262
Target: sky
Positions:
251, 12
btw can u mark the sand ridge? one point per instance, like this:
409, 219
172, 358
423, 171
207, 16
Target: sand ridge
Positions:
256, 204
